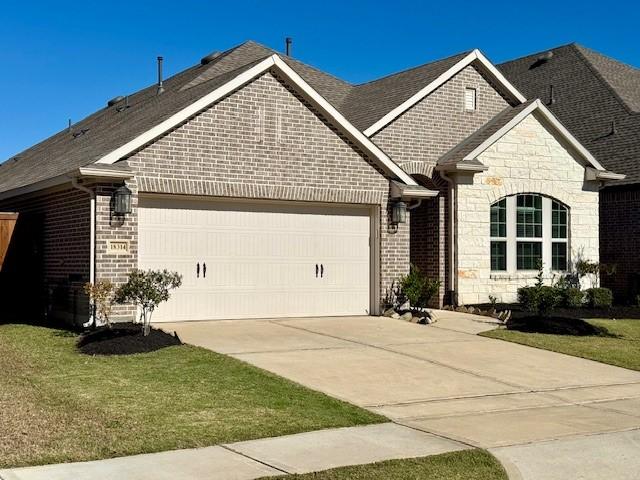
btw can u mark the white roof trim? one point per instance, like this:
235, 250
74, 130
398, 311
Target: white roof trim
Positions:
82, 172
538, 106
100, 173
304, 88
476, 55
593, 174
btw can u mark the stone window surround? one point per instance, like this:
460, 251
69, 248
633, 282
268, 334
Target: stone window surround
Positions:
512, 239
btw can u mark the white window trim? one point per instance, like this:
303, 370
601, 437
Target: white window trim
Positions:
512, 239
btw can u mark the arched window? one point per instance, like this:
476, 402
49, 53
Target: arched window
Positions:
527, 229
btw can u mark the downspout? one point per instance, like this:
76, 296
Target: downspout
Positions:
92, 241
453, 278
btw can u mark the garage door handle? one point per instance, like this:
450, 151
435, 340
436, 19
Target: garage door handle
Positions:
316, 270
204, 270
321, 270
198, 270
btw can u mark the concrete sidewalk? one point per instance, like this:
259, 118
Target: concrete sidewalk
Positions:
301, 453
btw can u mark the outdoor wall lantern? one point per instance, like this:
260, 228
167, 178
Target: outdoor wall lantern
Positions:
398, 212
122, 201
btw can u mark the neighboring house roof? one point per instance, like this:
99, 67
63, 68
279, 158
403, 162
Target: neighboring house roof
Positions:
465, 155
597, 98
104, 134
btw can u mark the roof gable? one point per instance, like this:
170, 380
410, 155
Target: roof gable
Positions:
454, 65
274, 63
465, 155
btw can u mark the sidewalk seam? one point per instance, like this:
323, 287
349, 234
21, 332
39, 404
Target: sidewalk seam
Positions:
228, 448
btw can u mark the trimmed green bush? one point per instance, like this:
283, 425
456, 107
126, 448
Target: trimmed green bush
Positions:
572, 297
599, 297
418, 288
540, 299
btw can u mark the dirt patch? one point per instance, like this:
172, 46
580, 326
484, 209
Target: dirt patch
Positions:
125, 339
557, 326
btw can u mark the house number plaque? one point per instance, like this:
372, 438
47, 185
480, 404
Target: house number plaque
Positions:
115, 247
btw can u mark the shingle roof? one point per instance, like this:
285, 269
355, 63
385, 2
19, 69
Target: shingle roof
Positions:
591, 91
368, 102
110, 127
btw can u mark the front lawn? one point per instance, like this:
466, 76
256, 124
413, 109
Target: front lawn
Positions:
621, 346
58, 405
465, 465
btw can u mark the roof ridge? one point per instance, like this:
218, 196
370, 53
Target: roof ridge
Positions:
577, 48
467, 52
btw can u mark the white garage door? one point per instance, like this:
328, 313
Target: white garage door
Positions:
244, 260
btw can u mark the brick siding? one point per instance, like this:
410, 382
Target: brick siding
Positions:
48, 259
261, 142
620, 240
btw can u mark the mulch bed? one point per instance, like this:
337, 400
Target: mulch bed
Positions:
125, 339
556, 326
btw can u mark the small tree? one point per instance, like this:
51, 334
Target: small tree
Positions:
101, 296
148, 289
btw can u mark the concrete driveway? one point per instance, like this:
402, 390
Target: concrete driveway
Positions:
444, 379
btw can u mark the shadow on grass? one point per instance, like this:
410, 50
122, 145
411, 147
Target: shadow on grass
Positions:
559, 326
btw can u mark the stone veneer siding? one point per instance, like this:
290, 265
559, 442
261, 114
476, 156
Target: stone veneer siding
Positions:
48, 259
528, 159
620, 240
261, 142
416, 140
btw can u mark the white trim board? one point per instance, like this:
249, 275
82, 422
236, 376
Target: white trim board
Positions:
475, 56
272, 62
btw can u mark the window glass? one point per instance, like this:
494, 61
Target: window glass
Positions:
559, 256
529, 255
499, 219
498, 256
558, 221
529, 216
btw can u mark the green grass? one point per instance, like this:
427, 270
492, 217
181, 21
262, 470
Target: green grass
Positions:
465, 465
622, 348
57, 405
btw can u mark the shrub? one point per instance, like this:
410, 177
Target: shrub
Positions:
572, 297
148, 289
101, 297
418, 288
599, 297
539, 299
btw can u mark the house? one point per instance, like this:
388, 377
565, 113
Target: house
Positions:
598, 99
278, 190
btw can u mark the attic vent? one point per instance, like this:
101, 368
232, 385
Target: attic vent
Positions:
79, 133
209, 58
115, 100
541, 60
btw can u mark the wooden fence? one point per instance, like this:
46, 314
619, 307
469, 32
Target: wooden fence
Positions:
7, 224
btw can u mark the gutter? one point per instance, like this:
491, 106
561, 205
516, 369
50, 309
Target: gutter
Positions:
92, 247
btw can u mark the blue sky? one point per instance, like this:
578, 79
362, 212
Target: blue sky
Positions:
61, 60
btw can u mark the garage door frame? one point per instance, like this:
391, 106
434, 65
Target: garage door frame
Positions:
374, 227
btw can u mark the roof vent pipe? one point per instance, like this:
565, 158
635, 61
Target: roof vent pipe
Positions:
613, 126
160, 84
287, 42
552, 97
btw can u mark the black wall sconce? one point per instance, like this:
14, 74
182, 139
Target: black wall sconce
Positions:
122, 201
398, 212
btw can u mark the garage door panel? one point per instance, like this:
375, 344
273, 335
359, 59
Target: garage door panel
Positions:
261, 259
